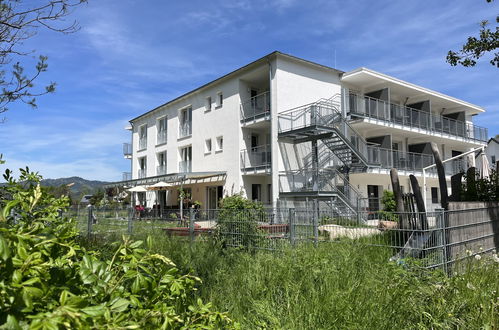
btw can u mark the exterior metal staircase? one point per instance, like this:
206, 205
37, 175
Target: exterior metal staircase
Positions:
323, 121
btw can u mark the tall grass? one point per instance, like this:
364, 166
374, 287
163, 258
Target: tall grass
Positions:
337, 286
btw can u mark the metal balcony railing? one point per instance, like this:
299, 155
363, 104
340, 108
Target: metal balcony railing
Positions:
256, 107
127, 150
256, 158
365, 106
411, 161
142, 143
185, 129
185, 166
161, 137
126, 176
321, 180
142, 173
161, 169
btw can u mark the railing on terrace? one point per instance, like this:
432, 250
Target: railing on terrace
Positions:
256, 158
142, 143
185, 166
322, 181
160, 169
127, 150
365, 106
126, 176
256, 107
142, 173
161, 137
185, 129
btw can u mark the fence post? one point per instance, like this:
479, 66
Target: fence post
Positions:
191, 223
90, 220
443, 216
130, 220
315, 221
292, 214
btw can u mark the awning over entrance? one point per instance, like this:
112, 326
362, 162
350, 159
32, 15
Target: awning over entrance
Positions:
172, 180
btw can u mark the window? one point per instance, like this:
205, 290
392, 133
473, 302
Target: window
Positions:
220, 143
493, 159
185, 164
434, 195
161, 127
142, 137
208, 104
142, 167
256, 192
161, 169
207, 146
185, 122
220, 99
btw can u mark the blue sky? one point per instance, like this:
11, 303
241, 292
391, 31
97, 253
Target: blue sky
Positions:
131, 56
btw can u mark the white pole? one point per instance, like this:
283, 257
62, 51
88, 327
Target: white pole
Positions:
424, 189
444, 161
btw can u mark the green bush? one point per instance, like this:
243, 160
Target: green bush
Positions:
48, 281
238, 221
388, 200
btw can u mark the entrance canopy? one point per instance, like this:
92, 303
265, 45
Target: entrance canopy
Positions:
170, 180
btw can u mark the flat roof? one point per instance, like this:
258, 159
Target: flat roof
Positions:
237, 71
365, 75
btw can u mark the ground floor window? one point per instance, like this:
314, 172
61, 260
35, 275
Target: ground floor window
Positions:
256, 192
434, 194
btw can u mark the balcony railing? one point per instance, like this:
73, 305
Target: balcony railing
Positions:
256, 107
142, 143
127, 150
142, 173
185, 166
126, 176
161, 137
256, 158
321, 180
161, 169
185, 129
411, 161
365, 106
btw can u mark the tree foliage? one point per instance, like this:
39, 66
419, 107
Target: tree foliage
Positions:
48, 281
475, 48
20, 20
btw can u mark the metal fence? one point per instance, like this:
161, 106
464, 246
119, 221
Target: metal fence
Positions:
435, 239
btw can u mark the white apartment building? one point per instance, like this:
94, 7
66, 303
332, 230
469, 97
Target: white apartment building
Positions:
283, 130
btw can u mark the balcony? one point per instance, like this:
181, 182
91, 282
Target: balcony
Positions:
161, 137
127, 150
185, 166
161, 169
142, 173
256, 160
126, 176
185, 129
368, 107
142, 143
411, 161
256, 108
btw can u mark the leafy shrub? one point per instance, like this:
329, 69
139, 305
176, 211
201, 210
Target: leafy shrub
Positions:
238, 221
47, 280
388, 200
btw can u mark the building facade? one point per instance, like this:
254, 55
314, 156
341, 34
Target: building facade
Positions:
283, 131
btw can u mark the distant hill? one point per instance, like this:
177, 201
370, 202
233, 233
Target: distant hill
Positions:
79, 186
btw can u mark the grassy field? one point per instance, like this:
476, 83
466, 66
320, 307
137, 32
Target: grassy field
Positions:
336, 286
